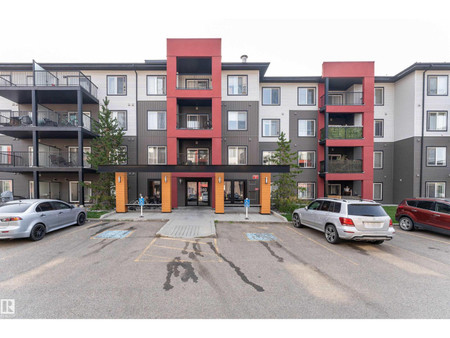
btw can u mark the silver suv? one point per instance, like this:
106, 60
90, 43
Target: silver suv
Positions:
359, 220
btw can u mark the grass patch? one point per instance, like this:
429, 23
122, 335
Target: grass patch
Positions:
96, 214
288, 217
390, 210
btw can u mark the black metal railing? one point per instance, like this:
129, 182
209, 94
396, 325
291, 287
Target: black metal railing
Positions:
194, 82
47, 159
200, 157
342, 133
342, 166
342, 99
194, 121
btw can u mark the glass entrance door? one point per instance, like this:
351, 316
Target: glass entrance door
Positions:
197, 193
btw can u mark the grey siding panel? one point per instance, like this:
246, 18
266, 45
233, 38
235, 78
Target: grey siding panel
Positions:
404, 169
248, 138
436, 174
385, 175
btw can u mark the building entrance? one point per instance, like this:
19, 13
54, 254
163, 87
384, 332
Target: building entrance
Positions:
198, 192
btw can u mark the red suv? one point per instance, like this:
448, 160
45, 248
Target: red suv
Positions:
424, 213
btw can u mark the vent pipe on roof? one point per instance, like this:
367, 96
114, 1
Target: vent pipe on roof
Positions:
244, 58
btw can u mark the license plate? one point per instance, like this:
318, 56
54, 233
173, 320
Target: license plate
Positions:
373, 225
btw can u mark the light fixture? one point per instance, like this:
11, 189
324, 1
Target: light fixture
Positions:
267, 181
180, 180
165, 178
120, 179
220, 179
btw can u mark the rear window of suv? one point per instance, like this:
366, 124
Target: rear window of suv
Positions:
412, 203
373, 210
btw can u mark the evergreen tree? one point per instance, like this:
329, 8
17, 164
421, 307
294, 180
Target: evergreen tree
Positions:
105, 150
285, 186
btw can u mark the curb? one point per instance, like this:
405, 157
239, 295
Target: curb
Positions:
279, 216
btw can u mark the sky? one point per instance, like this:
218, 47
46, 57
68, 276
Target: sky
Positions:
294, 36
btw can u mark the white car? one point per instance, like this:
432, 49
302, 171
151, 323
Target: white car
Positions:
358, 220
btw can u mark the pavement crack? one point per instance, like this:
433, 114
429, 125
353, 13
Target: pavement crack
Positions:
173, 270
266, 245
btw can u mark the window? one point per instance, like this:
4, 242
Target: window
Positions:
267, 157
306, 96
436, 156
427, 205
117, 85
437, 85
271, 96
46, 206
125, 155
197, 121
121, 117
5, 80
444, 208
306, 190
156, 85
157, 154
435, 189
237, 85
72, 119
377, 191
437, 121
379, 128
237, 155
197, 84
379, 96
270, 128
60, 206
307, 159
73, 191
5, 154
237, 120
334, 189
156, 120
378, 160
73, 157
197, 156
6, 185
307, 128
5, 117
335, 99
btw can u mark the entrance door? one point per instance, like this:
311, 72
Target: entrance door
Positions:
197, 193
234, 192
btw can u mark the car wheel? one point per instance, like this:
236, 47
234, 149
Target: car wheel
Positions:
296, 221
81, 219
38, 232
331, 234
406, 223
378, 242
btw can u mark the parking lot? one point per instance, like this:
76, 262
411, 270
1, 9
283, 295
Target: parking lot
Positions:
248, 271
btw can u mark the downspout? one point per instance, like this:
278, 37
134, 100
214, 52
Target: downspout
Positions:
137, 124
423, 132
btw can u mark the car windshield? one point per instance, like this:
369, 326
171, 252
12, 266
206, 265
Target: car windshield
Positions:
373, 210
14, 207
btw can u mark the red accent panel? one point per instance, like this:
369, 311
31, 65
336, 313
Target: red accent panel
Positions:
348, 69
194, 47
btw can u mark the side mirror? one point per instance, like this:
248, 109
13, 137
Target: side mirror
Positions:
71, 206
306, 208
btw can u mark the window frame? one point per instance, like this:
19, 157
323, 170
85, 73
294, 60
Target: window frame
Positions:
228, 85
237, 146
12, 184
298, 129
306, 104
381, 191
435, 182
428, 85
126, 117
165, 85
382, 129
237, 111
382, 96
436, 165
157, 152
382, 159
156, 111
262, 156
314, 190
262, 127
10, 156
428, 121
306, 151
107, 85
70, 191
271, 104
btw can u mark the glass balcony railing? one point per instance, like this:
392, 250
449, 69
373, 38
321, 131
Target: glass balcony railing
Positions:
342, 133
342, 166
194, 157
52, 159
194, 121
342, 99
194, 82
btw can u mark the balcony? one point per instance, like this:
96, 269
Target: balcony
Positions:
342, 133
16, 160
336, 98
194, 157
342, 166
194, 121
194, 82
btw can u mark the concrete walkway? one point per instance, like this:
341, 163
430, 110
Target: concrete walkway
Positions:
193, 222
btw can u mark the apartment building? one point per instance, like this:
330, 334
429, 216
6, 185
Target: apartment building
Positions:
356, 134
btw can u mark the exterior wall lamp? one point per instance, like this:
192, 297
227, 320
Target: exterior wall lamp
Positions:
220, 179
267, 181
165, 179
120, 179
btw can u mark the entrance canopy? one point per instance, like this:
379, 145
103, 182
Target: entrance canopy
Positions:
195, 168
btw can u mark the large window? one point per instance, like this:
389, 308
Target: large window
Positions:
267, 157
117, 85
73, 156
438, 85
237, 155
435, 189
306, 190
73, 191
306, 96
156, 85
237, 85
377, 191
271, 96
157, 154
437, 121
196, 156
156, 120
436, 156
6, 185
379, 128
307, 128
237, 120
121, 117
270, 128
5, 154
379, 96
378, 160
307, 159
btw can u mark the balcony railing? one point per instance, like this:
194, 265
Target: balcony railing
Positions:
46, 118
342, 133
200, 158
194, 121
342, 99
52, 159
43, 78
342, 166
194, 82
